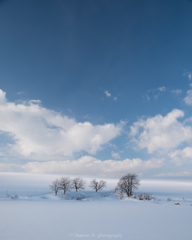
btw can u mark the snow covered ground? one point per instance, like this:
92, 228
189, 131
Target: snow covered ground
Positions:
38, 214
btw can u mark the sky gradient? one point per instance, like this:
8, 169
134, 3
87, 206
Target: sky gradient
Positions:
96, 87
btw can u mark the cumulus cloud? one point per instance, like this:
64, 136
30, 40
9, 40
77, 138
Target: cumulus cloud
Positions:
188, 74
34, 101
115, 98
108, 94
161, 133
39, 131
188, 98
180, 174
115, 155
181, 156
91, 166
162, 89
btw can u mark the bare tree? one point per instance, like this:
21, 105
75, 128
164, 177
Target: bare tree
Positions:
97, 185
65, 184
55, 186
134, 182
127, 183
78, 183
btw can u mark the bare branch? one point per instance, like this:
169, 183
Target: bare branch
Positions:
97, 185
78, 183
127, 183
55, 186
65, 184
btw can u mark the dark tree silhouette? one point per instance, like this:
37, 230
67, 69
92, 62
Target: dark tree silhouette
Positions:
55, 186
78, 183
97, 185
65, 184
127, 184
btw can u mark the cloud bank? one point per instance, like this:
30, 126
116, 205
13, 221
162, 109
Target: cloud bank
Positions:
88, 165
179, 174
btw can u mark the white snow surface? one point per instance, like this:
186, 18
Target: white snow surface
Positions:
37, 214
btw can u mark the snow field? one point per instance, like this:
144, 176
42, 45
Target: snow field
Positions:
134, 220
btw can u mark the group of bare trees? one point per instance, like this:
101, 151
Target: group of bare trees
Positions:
126, 185
66, 184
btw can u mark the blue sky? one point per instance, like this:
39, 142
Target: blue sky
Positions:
108, 76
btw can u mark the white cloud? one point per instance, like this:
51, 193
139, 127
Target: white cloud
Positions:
34, 101
115, 98
115, 155
180, 174
188, 98
39, 131
181, 156
161, 133
91, 166
188, 73
107, 93
162, 89
177, 91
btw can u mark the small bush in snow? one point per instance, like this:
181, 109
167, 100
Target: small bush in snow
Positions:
147, 196
80, 198
120, 195
140, 195
14, 196
169, 199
